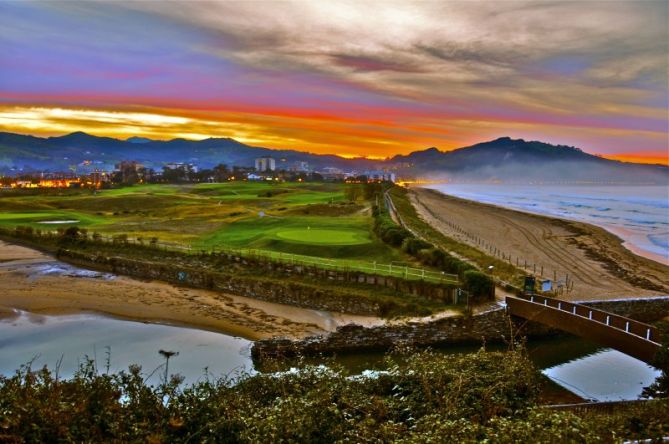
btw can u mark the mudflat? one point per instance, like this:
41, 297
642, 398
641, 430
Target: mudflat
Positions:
597, 263
37, 283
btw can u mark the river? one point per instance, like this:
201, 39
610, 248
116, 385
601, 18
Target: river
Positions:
579, 366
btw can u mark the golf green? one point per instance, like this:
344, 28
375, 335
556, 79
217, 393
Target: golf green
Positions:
322, 236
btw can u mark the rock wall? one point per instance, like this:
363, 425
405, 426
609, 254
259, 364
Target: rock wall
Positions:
274, 290
641, 309
491, 326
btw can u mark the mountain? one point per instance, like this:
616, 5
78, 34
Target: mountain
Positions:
28, 153
138, 140
501, 159
509, 159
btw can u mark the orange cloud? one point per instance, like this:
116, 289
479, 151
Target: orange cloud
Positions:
655, 158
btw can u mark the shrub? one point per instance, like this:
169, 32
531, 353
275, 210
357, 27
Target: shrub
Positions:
413, 245
479, 285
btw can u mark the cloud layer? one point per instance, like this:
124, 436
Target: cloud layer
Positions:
370, 78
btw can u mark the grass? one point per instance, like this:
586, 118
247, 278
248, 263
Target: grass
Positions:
503, 269
313, 219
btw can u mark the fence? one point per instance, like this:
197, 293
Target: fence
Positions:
374, 268
560, 283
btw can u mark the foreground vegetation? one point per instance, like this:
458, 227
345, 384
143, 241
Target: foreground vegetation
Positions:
429, 398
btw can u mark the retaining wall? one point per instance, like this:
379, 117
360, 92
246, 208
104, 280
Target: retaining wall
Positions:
641, 309
289, 292
491, 326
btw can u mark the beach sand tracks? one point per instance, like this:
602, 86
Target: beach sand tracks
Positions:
595, 260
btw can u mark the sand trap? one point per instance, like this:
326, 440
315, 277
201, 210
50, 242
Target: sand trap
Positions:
56, 222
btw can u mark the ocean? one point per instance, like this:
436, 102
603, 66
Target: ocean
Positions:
639, 215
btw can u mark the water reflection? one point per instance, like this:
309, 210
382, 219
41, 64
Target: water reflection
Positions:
607, 375
45, 339
577, 365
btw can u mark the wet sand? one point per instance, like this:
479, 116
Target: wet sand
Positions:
37, 283
596, 261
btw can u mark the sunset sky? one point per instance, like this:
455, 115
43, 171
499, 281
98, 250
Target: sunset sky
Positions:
353, 78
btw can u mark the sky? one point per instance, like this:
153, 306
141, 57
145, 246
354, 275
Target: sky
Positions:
359, 78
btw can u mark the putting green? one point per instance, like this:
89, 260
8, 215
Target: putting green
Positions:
320, 236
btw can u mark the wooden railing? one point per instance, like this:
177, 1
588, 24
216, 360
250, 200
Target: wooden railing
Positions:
624, 334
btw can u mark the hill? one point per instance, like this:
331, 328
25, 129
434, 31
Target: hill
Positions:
519, 160
86, 152
501, 159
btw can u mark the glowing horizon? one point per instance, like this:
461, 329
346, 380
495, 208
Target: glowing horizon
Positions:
322, 78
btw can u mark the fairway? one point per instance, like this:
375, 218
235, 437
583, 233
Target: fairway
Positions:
312, 219
325, 237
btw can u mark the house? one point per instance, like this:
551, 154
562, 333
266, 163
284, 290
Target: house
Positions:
300, 167
332, 173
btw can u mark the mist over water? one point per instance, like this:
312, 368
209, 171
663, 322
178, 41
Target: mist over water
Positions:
637, 214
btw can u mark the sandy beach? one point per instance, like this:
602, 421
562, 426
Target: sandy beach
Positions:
37, 283
595, 260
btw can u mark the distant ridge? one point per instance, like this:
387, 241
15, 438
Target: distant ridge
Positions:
500, 159
516, 159
136, 139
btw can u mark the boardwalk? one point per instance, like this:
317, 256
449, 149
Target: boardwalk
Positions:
631, 337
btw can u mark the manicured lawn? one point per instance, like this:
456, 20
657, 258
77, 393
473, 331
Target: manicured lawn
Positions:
312, 219
324, 236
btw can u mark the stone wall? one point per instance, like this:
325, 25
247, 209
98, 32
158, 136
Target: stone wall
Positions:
429, 290
641, 309
491, 326
274, 290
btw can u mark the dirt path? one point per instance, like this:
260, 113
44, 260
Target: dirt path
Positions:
594, 259
35, 282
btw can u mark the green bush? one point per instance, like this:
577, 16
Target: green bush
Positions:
479, 285
421, 397
413, 245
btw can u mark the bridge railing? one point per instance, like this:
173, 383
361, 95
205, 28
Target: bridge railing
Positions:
643, 331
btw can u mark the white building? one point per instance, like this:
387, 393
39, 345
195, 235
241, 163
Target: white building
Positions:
187, 167
380, 175
300, 167
265, 164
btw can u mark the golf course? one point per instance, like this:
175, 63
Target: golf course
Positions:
310, 219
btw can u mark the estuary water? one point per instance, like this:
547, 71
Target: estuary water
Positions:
73, 339
579, 366
639, 215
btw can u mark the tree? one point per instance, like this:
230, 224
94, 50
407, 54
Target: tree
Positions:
479, 285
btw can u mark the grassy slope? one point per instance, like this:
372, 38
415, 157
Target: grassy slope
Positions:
503, 270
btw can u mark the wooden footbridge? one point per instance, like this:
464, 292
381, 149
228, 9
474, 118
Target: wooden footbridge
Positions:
631, 337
